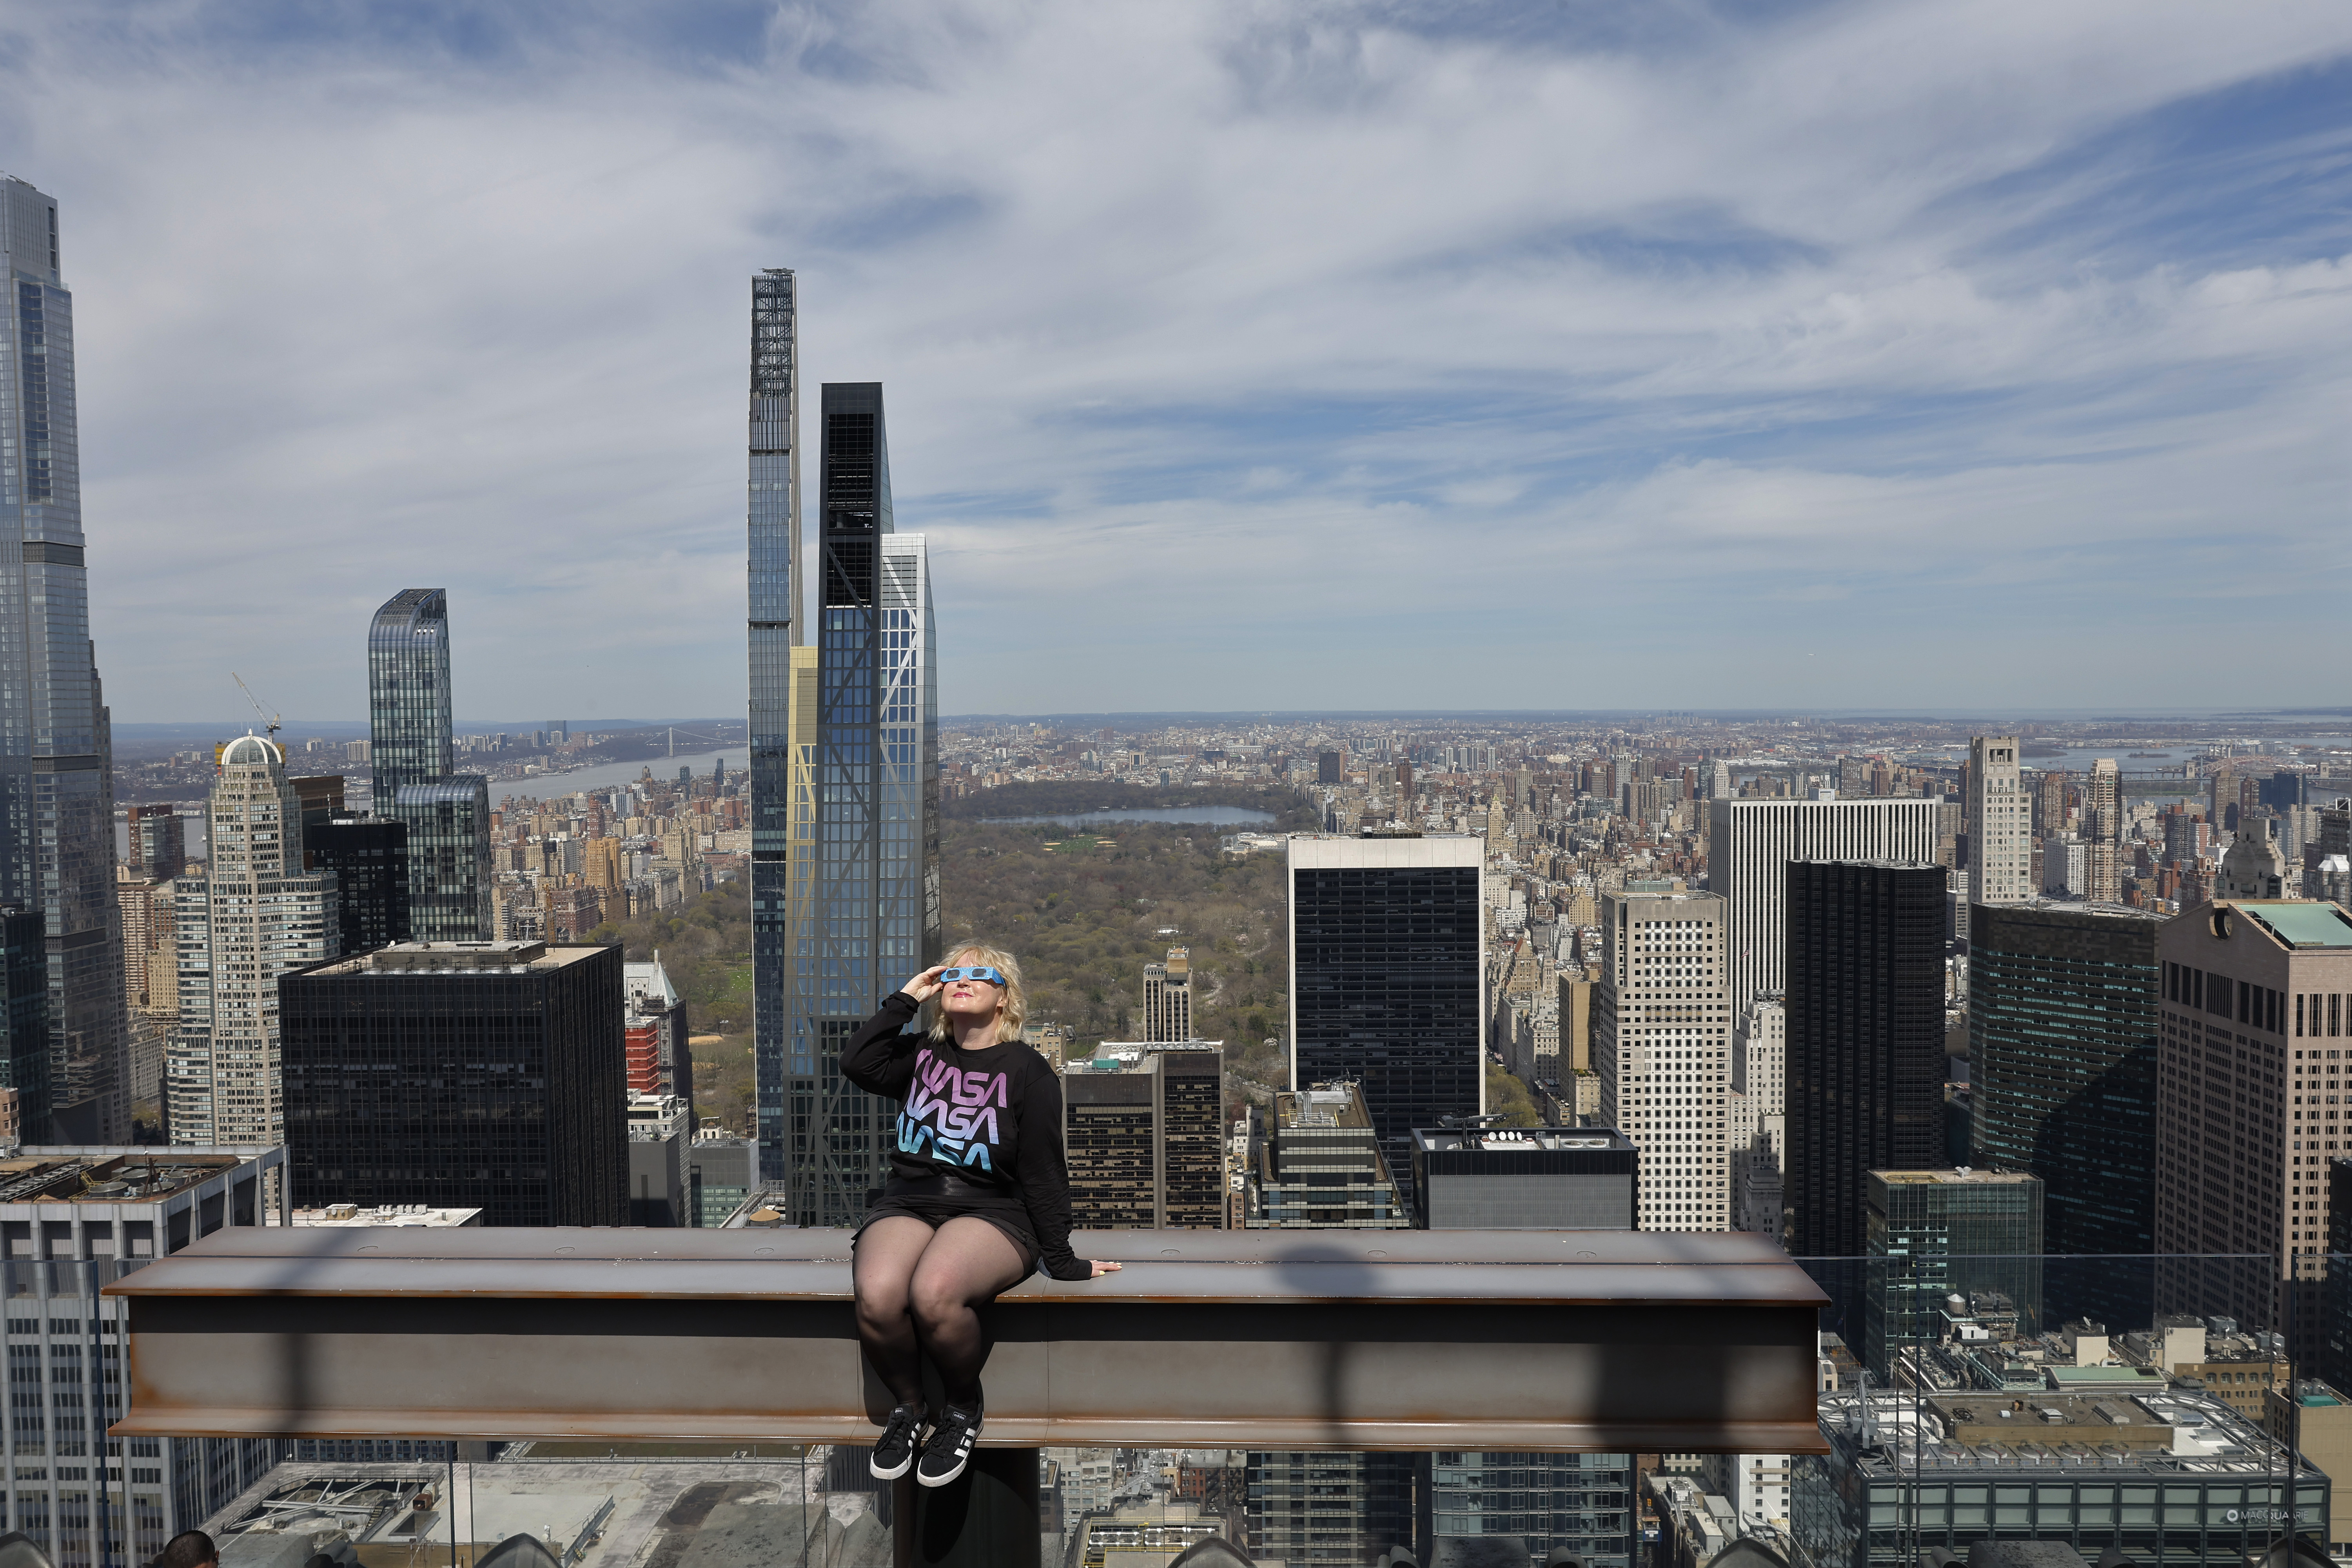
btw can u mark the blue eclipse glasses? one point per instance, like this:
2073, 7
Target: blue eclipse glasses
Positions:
972, 972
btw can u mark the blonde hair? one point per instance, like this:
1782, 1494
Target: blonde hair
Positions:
1013, 1008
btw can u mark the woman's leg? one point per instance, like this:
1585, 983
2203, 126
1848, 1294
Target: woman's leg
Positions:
881, 1270
968, 1262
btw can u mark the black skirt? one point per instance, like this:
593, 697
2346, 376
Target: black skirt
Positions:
936, 1200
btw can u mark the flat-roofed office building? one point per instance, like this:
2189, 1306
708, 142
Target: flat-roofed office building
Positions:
1388, 977
1750, 844
2062, 1001
1662, 1045
2254, 1053
1864, 1010
1144, 1135
461, 1075
1524, 1178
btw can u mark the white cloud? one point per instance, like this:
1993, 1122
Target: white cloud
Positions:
1376, 363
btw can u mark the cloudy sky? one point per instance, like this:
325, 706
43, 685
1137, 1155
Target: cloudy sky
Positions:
1898, 353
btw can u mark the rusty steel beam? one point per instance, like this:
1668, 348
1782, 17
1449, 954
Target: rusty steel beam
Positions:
1564, 1341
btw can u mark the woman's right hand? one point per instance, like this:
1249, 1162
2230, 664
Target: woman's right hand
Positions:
926, 985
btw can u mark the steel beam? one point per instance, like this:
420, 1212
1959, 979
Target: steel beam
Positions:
1564, 1341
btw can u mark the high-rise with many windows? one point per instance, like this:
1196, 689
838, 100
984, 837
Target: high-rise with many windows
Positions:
1866, 1040
408, 692
2063, 1004
2253, 1058
1661, 1043
447, 814
872, 908
2000, 825
254, 914
1750, 844
56, 784
772, 530
1387, 978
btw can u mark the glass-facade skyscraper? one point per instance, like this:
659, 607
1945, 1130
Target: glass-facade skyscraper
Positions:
57, 788
408, 692
870, 915
772, 528
409, 751
2063, 1023
1387, 978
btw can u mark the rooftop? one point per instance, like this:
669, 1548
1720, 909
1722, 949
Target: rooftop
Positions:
1958, 1175
398, 1215
1511, 1140
2301, 924
456, 957
122, 1178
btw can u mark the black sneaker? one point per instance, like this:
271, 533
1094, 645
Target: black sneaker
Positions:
950, 1449
901, 1435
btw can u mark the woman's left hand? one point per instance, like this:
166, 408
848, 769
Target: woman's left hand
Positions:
1101, 1269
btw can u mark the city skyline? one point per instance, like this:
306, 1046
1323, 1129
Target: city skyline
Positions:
1737, 368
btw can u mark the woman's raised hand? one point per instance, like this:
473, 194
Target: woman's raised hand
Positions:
926, 985
1101, 1269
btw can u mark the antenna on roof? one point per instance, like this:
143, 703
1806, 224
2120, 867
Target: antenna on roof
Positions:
268, 718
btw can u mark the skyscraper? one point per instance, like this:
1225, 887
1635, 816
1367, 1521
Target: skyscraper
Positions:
1750, 844
2255, 1048
2103, 832
57, 773
159, 848
874, 897
2001, 836
1866, 1040
1388, 956
1146, 1137
1933, 1233
447, 814
254, 914
1167, 997
484, 1075
2062, 1062
369, 859
408, 692
1661, 1043
773, 527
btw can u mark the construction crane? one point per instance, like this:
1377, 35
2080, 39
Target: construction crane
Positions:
267, 717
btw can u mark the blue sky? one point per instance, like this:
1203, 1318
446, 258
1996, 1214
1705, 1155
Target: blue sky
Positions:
1302, 356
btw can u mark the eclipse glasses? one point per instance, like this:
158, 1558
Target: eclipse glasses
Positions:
972, 972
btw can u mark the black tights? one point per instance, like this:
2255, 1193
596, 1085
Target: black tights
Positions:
920, 1292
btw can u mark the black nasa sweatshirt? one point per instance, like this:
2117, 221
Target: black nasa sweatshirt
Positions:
990, 1118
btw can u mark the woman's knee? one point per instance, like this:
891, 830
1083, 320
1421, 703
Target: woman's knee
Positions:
937, 1297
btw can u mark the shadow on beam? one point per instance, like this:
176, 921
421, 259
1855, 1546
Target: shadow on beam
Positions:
1564, 1341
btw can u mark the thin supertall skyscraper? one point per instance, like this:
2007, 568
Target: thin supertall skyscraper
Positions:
773, 526
409, 752
871, 918
57, 785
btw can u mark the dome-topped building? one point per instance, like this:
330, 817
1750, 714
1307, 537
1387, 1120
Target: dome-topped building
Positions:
254, 914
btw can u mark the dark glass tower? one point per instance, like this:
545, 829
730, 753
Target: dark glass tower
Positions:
25, 1013
159, 842
57, 785
773, 528
1387, 940
370, 860
408, 692
1866, 1020
409, 750
2063, 1021
490, 1076
872, 913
